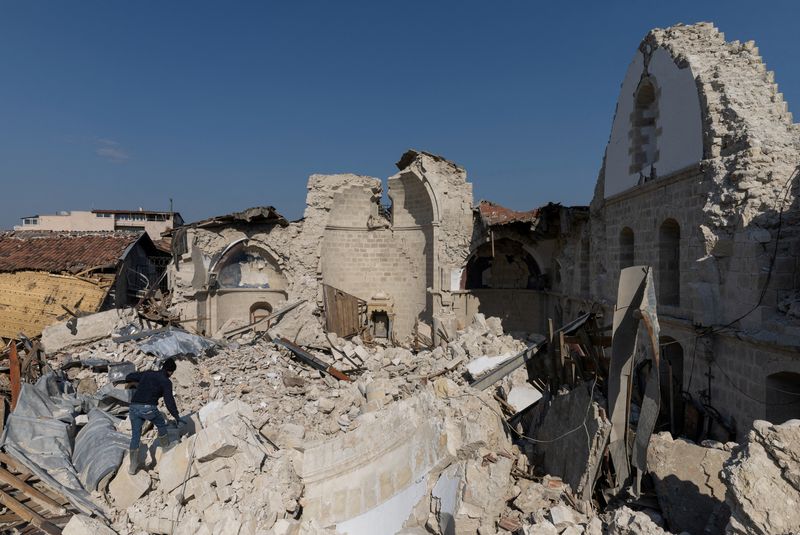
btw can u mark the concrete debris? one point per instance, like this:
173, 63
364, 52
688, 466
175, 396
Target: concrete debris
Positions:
82, 524
79, 331
688, 483
763, 478
625, 521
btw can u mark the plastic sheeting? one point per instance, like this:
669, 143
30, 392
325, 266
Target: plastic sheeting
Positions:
39, 434
41, 430
99, 448
174, 342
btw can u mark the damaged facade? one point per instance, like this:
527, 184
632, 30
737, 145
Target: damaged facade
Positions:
699, 181
47, 275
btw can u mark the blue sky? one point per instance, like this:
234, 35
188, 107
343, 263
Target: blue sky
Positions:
225, 105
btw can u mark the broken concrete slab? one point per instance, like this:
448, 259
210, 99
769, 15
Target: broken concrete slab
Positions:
689, 484
77, 331
523, 396
763, 478
565, 450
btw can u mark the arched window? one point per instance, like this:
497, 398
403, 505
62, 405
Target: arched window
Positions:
644, 151
246, 266
669, 269
783, 397
626, 244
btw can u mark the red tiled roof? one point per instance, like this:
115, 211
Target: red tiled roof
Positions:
60, 252
493, 214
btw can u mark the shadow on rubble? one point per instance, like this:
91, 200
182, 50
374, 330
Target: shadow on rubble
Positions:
687, 509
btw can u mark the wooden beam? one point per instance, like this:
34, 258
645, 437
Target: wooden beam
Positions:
13, 359
31, 492
28, 515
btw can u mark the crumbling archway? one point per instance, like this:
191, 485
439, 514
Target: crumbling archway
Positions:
502, 264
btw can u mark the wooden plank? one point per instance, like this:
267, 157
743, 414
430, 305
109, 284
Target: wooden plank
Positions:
31, 492
29, 515
13, 359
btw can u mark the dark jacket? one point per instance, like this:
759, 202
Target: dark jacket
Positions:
153, 385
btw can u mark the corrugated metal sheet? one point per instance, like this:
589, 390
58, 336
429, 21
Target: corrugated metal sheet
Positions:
59, 252
30, 300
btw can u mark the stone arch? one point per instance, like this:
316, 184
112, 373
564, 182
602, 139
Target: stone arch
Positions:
627, 245
511, 266
259, 311
248, 266
783, 396
669, 269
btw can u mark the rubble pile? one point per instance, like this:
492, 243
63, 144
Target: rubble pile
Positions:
763, 479
272, 446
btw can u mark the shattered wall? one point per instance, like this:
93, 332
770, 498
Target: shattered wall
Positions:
260, 284
345, 240
407, 255
705, 213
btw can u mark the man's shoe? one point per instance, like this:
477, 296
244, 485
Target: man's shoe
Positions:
133, 465
163, 441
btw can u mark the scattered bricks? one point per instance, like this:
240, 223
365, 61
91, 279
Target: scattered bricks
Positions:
509, 524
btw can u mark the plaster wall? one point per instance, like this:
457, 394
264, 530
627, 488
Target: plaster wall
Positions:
679, 141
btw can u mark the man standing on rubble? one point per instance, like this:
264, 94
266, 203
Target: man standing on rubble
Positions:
144, 406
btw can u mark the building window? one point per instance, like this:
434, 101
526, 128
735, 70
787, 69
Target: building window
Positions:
103, 215
644, 151
30, 221
626, 245
669, 270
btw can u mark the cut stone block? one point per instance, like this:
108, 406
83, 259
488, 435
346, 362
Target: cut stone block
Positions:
125, 489
173, 466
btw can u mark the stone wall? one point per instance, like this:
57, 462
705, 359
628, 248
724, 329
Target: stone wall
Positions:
729, 206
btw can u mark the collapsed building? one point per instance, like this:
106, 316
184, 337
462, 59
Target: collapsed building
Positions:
46, 275
432, 366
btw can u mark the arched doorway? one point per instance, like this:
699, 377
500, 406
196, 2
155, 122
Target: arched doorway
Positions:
671, 381
783, 397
